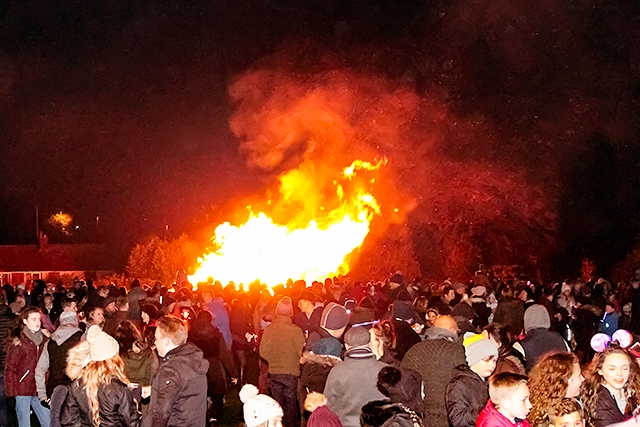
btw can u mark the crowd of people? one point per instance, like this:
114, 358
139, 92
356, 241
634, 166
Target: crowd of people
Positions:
491, 352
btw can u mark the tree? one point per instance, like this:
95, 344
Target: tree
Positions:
159, 259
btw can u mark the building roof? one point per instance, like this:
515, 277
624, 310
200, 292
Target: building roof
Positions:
70, 257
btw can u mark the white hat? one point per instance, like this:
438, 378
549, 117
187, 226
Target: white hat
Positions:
101, 345
258, 408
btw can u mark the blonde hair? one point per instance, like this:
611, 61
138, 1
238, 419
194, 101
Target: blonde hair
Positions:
173, 328
97, 373
503, 385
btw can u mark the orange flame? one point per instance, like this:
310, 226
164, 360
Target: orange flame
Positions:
271, 253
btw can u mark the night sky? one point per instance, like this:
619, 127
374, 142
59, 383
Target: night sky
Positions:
123, 111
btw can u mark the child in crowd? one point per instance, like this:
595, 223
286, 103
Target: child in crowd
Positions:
467, 391
566, 413
508, 404
259, 410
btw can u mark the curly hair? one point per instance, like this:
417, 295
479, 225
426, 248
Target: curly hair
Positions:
548, 384
592, 385
97, 373
386, 334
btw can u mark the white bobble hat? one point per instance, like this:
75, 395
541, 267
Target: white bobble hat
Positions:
258, 408
101, 345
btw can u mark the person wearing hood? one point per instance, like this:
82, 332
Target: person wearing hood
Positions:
179, 387
352, 383
538, 339
434, 359
54, 355
467, 392
20, 366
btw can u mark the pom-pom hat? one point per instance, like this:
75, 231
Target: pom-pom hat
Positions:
258, 408
102, 346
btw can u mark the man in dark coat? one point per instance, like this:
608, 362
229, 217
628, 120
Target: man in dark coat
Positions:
510, 312
538, 339
434, 359
7, 321
179, 387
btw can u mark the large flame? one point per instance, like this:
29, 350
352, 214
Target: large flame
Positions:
262, 250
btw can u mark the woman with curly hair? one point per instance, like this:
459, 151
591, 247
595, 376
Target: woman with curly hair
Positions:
611, 391
99, 395
554, 377
383, 342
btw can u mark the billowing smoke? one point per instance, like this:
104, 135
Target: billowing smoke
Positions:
460, 213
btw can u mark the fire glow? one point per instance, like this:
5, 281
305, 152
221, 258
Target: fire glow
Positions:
260, 249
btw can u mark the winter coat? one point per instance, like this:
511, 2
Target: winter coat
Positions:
111, 323
139, 367
435, 359
352, 383
308, 324
220, 319
54, 360
606, 411
510, 313
179, 389
406, 338
314, 373
490, 417
281, 346
538, 342
20, 366
467, 394
7, 322
116, 406
215, 351
384, 413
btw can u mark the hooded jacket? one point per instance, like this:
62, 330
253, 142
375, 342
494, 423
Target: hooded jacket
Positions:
116, 406
54, 360
434, 359
467, 394
179, 389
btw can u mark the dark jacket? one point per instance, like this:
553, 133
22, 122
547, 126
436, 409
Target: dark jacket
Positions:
308, 324
315, 370
467, 394
538, 342
7, 322
510, 313
434, 359
111, 323
221, 365
606, 411
58, 360
117, 407
179, 389
406, 338
20, 366
139, 367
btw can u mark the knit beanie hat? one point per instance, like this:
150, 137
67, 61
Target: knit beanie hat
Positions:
284, 308
357, 337
327, 346
334, 317
536, 317
68, 318
321, 415
258, 408
101, 345
477, 347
